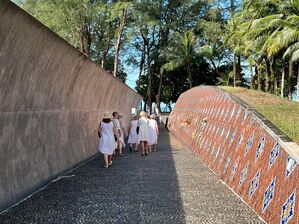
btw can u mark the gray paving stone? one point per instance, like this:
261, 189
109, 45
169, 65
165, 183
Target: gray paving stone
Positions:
168, 186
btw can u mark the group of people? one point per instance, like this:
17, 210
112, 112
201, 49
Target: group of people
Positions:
142, 131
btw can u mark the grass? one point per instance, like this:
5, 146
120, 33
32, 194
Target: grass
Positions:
284, 113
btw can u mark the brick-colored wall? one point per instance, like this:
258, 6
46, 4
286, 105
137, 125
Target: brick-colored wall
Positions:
241, 149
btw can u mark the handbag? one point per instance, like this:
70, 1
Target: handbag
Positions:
137, 130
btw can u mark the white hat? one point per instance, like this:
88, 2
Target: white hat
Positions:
106, 115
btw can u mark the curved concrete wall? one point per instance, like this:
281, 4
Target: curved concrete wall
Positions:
243, 148
52, 98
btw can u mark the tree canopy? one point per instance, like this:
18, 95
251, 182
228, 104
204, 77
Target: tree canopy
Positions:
174, 45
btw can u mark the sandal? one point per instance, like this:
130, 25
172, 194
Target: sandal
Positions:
110, 164
106, 166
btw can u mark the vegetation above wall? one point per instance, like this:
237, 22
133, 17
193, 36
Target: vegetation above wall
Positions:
281, 112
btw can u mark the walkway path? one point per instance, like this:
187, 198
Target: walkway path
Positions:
168, 186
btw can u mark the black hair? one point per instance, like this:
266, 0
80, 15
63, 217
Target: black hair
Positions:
114, 113
106, 120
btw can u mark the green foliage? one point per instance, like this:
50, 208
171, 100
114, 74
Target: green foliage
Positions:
179, 44
283, 113
267, 32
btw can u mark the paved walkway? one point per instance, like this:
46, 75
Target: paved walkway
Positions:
168, 186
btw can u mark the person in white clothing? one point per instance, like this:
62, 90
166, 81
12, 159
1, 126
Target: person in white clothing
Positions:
122, 131
133, 136
107, 142
153, 133
143, 125
117, 133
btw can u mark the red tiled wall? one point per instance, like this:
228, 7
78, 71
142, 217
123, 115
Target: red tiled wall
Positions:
210, 123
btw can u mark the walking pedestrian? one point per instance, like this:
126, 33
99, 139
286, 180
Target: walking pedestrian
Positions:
133, 136
143, 125
153, 133
122, 131
107, 142
117, 133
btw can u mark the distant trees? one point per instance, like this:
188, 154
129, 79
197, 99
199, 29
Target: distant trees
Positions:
266, 33
175, 45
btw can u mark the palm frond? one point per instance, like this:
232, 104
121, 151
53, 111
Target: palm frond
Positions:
295, 56
288, 53
172, 65
290, 36
265, 21
205, 50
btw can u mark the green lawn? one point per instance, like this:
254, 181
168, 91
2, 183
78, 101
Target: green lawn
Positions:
282, 112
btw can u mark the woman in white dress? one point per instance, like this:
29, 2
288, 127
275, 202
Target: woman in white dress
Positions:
107, 143
143, 125
133, 137
153, 133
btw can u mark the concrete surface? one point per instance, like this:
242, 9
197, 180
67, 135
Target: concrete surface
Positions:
168, 186
52, 98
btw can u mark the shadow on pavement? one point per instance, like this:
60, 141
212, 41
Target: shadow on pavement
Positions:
134, 190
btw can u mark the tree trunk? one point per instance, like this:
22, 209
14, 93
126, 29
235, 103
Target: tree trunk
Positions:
239, 69
274, 78
118, 41
282, 82
88, 39
259, 77
268, 78
189, 76
149, 75
275, 85
141, 65
82, 47
158, 96
290, 79
298, 84
103, 61
169, 106
234, 70
145, 103
115, 69
251, 74
105, 53
149, 70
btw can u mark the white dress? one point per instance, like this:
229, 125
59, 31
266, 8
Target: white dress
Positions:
152, 132
107, 142
122, 133
143, 124
133, 137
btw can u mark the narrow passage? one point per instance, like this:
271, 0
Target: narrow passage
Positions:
167, 186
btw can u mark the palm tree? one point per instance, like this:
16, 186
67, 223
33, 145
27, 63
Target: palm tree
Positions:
235, 33
182, 54
279, 31
285, 38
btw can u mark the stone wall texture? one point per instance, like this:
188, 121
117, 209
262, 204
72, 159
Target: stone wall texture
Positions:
244, 149
52, 98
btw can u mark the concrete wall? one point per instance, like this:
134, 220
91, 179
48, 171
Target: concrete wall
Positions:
51, 100
244, 149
